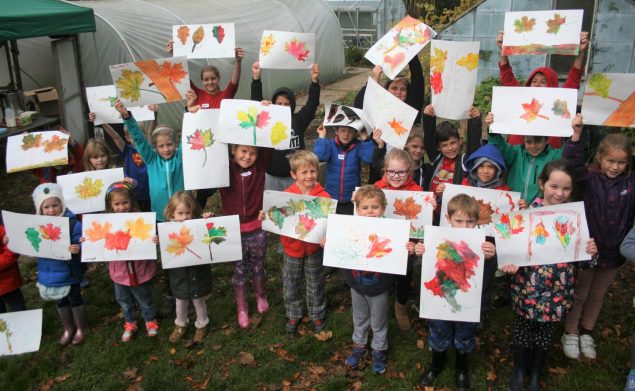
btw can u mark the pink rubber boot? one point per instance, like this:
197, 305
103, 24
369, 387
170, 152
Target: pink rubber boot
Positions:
261, 294
240, 291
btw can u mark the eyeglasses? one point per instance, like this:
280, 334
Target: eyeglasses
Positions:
399, 174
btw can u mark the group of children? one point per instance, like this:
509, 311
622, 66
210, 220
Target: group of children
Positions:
541, 295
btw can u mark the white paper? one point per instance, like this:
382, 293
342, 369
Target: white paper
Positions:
214, 40
339, 115
205, 159
118, 237
147, 82
101, 101
490, 201
542, 236
414, 206
534, 111
367, 243
200, 241
453, 69
386, 112
542, 32
21, 332
394, 50
37, 235
27, 151
297, 216
286, 50
246, 122
606, 100
452, 274
84, 192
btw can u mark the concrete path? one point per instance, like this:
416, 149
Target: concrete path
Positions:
353, 80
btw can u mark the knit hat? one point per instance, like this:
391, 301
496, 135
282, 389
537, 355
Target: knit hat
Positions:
45, 191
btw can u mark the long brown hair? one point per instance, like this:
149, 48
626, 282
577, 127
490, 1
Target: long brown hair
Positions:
181, 197
615, 142
92, 148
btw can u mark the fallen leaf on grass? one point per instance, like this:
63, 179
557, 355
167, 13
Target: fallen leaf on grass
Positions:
255, 320
420, 344
153, 358
357, 385
316, 369
217, 347
491, 376
558, 371
282, 354
130, 373
172, 351
324, 336
247, 359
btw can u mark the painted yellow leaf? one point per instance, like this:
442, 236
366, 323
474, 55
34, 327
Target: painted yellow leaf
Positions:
437, 62
278, 133
130, 84
252, 111
469, 61
243, 117
179, 242
89, 188
139, 229
266, 44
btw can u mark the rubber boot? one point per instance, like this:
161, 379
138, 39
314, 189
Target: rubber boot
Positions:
401, 315
519, 371
462, 371
261, 294
81, 324
538, 360
428, 378
66, 317
240, 291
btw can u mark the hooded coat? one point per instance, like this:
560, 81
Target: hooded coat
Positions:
55, 272
488, 152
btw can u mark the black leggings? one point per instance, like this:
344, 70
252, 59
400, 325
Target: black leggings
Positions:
531, 334
403, 283
13, 301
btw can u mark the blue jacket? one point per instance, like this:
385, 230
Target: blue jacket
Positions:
55, 272
165, 176
487, 151
343, 166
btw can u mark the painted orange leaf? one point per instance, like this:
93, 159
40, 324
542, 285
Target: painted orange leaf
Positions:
117, 241
296, 49
407, 22
164, 77
56, 143
197, 37
436, 81
408, 208
266, 44
50, 232
378, 246
98, 231
174, 72
31, 141
524, 24
183, 32
469, 61
397, 127
139, 229
532, 111
555, 23
179, 242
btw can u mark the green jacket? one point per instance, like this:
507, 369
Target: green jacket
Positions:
523, 169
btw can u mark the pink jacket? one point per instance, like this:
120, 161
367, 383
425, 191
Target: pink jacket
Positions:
132, 273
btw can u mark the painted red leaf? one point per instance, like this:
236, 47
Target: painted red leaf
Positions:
437, 82
50, 232
117, 241
263, 119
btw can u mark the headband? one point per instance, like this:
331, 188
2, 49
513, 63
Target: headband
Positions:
118, 185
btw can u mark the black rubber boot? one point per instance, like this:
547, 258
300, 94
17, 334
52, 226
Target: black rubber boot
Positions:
428, 377
462, 372
519, 371
538, 360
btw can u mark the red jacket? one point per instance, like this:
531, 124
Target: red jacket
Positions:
503, 187
209, 101
10, 278
243, 197
294, 247
409, 185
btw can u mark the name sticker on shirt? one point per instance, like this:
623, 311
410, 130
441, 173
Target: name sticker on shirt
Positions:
340, 156
246, 173
205, 106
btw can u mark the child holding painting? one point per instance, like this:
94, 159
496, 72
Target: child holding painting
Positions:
542, 295
75, 153
609, 202
244, 197
463, 212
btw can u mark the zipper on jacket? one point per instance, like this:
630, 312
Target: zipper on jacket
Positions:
531, 167
167, 177
242, 183
342, 165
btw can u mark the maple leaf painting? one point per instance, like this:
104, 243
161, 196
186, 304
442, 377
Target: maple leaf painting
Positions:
485, 212
174, 73
296, 49
407, 208
253, 119
129, 83
117, 241
183, 33
31, 141
436, 81
139, 229
200, 140
56, 143
180, 241
215, 235
278, 133
89, 189
266, 44
540, 233
560, 109
469, 61
507, 227
532, 111
378, 246
304, 226
555, 23
197, 37
600, 83
50, 232
98, 231
564, 229
219, 33
437, 61
524, 24
397, 127
277, 216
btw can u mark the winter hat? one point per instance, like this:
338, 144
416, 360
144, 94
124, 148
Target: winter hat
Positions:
45, 191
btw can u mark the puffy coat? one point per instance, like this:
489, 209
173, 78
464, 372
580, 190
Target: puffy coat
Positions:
10, 278
190, 282
55, 272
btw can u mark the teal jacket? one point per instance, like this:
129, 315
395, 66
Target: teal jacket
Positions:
523, 169
165, 175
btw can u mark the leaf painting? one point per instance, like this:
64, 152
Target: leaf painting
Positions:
609, 100
55, 143
532, 110
118, 236
407, 208
278, 133
296, 49
397, 127
4, 329
524, 24
38, 235
89, 188
266, 44
33, 236
540, 233
492, 203
437, 61
129, 84
378, 246
84, 192
252, 123
219, 33
485, 212
305, 225
215, 235
31, 141
204, 40
101, 101
197, 37
179, 242
564, 228
560, 109
553, 25
600, 84
183, 33
507, 226
20, 332
200, 140
436, 81
542, 32
469, 61
253, 119
49, 232
414, 206
394, 61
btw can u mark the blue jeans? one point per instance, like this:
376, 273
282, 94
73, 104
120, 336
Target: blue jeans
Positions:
74, 297
445, 334
129, 296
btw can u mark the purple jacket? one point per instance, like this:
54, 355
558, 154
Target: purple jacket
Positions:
609, 205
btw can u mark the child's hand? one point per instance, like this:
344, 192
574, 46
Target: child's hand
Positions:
240, 54
584, 41
261, 215
591, 248
191, 97
489, 119
362, 134
170, 47
121, 109
207, 215
322, 243
265, 103
5, 240
522, 204
420, 248
509, 269
129, 180
255, 70
577, 123
91, 117
499, 40
440, 189
153, 107
82, 239
321, 131
489, 250
74, 248
375, 73
410, 246
474, 112
434, 203
377, 138
429, 110
155, 239
315, 73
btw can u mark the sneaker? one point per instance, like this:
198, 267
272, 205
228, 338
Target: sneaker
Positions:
152, 327
571, 345
319, 325
129, 328
177, 333
357, 354
379, 361
199, 335
587, 346
630, 381
291, 326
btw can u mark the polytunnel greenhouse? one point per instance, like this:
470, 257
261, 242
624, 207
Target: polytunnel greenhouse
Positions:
131, 30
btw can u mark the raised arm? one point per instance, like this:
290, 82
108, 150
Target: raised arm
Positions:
375, 73
505, 69
430, 133
240, 54
141, 144
321, 147
306, 114
474, 131
416, 88
256, 83
574, 152
575, 73
118, 140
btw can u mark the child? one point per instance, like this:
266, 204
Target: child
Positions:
303, 260
627, 249
132, 279
524, 162
96, 156
609, 201
75, 153
244, 198
463, 212
415, 147
57, 279
11, 298
542, 77
369, 292
277, 177
190, 283
343, 156
163, 159
541, 295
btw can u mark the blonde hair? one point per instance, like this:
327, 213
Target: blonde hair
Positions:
182, 197
163, 130
370, 192
303, 158
464, 203
399, 155
93, 147
416, 132
120, 188
615, 142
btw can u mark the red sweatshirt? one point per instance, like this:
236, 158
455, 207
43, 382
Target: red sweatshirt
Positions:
10, 278
410, 184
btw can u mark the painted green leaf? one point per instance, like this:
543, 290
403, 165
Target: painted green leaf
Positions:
600, 84
277, 215
33, 236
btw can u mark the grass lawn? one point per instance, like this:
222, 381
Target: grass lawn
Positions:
264, 357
